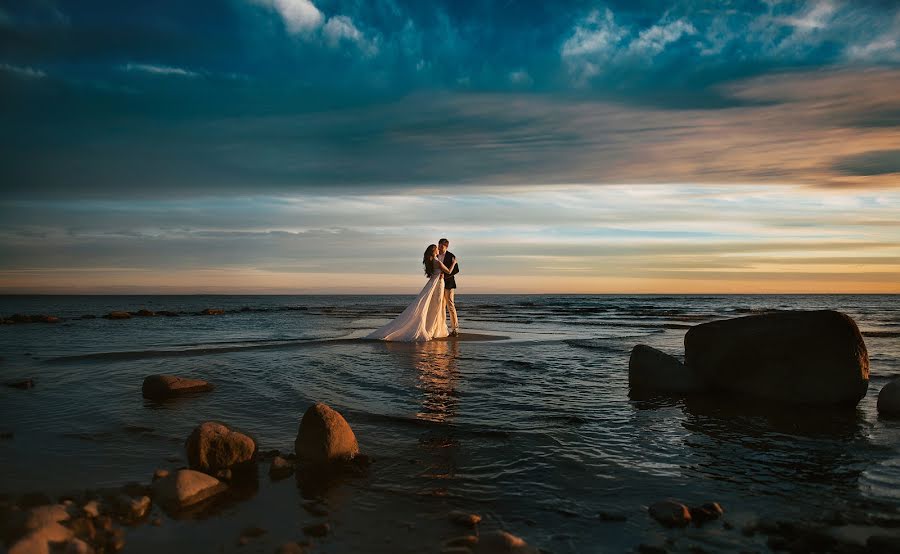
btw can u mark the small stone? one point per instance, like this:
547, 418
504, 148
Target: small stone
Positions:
186, 487
670, 513
84, 528
91, 509
280, 468
889, 399
465, 519
317, 529
139, 507
212, 311
160, 474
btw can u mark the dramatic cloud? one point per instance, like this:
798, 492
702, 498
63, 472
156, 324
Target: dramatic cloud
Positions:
299, 15
607, 146
159, 69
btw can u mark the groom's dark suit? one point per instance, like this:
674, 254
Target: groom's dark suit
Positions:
449, 280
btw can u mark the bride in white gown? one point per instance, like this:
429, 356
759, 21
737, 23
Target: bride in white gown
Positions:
425, 318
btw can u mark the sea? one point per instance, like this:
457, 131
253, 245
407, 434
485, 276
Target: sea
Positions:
534, 429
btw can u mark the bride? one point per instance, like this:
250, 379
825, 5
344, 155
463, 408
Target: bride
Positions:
425, 318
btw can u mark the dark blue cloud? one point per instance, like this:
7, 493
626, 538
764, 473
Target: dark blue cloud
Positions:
107, 97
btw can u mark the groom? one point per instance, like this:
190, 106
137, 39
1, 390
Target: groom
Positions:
449, 284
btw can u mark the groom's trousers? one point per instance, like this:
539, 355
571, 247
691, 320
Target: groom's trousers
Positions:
449, 298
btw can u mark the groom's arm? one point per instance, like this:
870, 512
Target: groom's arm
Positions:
455, 269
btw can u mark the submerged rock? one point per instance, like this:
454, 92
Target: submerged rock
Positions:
706, 512
145, 313
816, 357
502, 542
160, 387
670, 513
117, 315
654, 370
186, 487
212, 447
465, 519
280, 468
889, 398
324, 436
212, 311
20, 383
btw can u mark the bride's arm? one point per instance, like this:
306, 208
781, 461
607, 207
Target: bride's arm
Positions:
443, 267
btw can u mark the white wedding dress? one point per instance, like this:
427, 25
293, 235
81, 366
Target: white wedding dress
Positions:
423, 320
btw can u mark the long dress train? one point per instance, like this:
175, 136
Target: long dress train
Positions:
423, 320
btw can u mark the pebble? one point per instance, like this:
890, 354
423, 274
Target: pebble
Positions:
160, 474
92, 508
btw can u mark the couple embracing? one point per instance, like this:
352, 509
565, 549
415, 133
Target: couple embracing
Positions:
426, 317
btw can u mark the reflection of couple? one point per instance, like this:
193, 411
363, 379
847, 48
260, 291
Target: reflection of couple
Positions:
426, 317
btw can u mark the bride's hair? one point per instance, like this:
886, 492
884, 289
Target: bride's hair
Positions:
428, 260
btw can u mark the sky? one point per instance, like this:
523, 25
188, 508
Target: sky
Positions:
317, 146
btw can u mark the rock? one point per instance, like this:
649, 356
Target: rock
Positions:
117, 315
132, 508
324, 436
160, 387
706, 512
465, 519
670, 513
317, 529
40, 541
91, 509
889, 398
20, 383
212, 311
280, 468
497, 542
145, 313
291, 548
815, 357
213, 446
42, 516
186, 487
653, 370
160, 474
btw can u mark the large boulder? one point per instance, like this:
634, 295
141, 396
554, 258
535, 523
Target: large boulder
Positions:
185, 487
889, 398
213, 446
653, 370
324, 436
160, 387
815, 357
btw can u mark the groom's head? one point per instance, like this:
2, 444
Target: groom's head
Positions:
443, 245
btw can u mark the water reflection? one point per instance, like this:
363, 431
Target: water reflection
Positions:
437, 366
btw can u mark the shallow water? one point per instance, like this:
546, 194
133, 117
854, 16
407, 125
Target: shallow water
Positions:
537, 433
